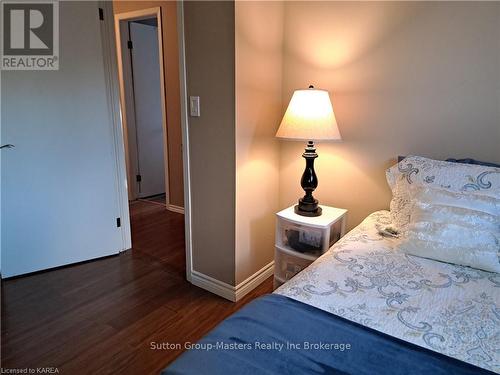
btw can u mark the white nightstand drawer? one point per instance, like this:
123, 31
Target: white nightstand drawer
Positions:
300, 237
287, 266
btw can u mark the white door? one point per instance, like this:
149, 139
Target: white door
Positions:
59, 202
148, 113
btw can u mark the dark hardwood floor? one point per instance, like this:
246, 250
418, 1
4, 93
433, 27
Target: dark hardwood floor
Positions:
101, 317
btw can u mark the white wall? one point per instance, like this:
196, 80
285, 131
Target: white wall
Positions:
259, 38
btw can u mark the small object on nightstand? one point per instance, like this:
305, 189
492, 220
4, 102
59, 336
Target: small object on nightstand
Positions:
300, 240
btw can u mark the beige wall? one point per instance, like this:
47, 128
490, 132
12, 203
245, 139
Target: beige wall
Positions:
210, 65
172, 90
259, 37
404, 78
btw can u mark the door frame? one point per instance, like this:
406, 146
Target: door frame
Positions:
119, 130
126, 17
112, 84
185, 139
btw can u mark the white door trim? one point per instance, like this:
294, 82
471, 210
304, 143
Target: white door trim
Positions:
185, 140
130, 16
120, 131
112, 85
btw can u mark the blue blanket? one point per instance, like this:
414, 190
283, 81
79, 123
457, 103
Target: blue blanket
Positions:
277, 335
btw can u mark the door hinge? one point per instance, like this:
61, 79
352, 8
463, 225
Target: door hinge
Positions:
118, 222
138, 178
129, 44
101, 14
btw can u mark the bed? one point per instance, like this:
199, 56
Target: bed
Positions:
450, 309
364, 307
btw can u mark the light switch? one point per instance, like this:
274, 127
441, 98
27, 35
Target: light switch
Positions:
194, 106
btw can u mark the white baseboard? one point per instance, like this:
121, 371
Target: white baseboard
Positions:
252, 282
213, 285
230, 292
174, 208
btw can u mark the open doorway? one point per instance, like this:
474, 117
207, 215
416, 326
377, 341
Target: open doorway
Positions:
143, 105
157, 222
146, 138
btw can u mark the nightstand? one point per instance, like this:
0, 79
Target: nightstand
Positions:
300, 240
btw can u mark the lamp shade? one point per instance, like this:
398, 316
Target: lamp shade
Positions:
309, 117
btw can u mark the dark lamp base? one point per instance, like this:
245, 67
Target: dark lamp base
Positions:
308, 205
315, 212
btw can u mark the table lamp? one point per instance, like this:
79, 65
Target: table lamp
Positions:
309, 117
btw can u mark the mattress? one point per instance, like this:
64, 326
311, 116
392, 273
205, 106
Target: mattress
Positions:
446, 308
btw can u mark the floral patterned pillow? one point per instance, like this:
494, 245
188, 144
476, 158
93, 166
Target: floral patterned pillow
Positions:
446, 175
420, 171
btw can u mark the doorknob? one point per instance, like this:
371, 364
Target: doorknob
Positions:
8, 145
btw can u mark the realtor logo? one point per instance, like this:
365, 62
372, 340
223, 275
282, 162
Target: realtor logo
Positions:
30, 35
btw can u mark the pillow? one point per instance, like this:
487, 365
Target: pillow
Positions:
454, 177
453, 244
408, 198
464, 161
454, 227
446, 175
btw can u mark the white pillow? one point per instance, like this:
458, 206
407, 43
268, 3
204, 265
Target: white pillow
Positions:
481, 254
454, 227
405, 197
453, 177
445, 175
